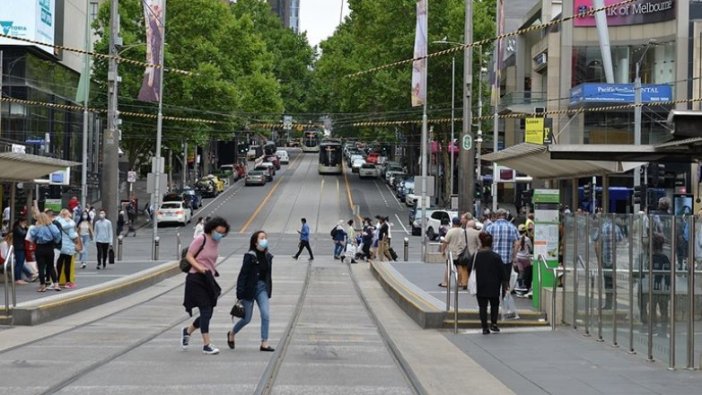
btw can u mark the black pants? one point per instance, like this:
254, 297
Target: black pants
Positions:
203, 321
366, 249
304, 244
45, 263
64, 262
494, 309
102, 249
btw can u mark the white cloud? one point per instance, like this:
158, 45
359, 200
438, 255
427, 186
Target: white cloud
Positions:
319, 18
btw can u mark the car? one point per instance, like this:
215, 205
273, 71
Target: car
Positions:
218, 182
177, 197
256, 177
393, 176
406, 187
355, 157
373, 158
253, 152
267, 169
227, 170
193, 197
206, 187
434, 219
389, 170
173, 212
356, 165
283, 156
274, 160
240, 170
367, 170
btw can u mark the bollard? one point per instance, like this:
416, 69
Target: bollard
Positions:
120, 241
156, 243
179, 245
406, 249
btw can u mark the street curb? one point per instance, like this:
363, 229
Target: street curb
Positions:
53, 307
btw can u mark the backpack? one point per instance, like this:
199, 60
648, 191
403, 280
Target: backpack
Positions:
333, 232
58, 244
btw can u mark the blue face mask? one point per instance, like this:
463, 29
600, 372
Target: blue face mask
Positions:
216, 236
263, 244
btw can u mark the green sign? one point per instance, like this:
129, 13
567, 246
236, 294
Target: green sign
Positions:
53, 204
467, 142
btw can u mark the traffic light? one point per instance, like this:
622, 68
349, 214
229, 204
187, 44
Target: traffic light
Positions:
587, 191
478, 191
639, 194
527, 195
657, 173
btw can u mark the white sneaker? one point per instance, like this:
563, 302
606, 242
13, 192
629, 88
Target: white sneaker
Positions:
209, 349
83, 265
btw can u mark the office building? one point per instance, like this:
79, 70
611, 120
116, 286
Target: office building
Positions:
288, 11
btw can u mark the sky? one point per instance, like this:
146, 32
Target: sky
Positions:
320, 18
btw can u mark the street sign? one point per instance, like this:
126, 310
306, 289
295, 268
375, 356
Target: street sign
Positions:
131, 176
287, 122
467, 142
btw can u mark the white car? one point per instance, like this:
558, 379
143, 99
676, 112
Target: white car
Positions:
283, 156
170, 212
368, 170
356, 165
434, 218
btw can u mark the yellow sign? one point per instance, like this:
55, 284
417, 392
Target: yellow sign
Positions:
534, 130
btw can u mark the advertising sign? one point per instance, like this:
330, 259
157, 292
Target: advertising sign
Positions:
29, 19
546, 237
534, 130
619, 93
634, 13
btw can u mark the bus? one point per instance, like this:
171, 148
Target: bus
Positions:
310, 141
330, 157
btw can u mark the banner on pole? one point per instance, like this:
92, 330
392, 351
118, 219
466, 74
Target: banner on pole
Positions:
153, 18
419, 67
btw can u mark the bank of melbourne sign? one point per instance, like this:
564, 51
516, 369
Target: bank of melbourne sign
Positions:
634, 13
29, 19
619, 93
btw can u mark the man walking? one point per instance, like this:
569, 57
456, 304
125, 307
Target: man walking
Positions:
505, 238
103, 238
339, 237
304, 239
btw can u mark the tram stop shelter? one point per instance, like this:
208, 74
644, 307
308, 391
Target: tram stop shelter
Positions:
16, 167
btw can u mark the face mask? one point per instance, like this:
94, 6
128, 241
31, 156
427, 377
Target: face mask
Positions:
263, 244
102, 215
85, 217
216, 236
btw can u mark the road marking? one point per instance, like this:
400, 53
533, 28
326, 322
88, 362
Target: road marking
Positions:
401, 224
381, 194
261, 205
348, 192
393, 195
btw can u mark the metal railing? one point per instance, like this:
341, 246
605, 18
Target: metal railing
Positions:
9, 279
634, 277
452, 273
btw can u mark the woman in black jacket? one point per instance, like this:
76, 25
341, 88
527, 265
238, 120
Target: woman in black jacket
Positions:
254, 283
491, 281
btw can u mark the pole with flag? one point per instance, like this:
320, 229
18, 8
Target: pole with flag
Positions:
419, 98
152, 90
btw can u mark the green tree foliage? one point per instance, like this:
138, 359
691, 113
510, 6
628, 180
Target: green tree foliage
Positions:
233, 73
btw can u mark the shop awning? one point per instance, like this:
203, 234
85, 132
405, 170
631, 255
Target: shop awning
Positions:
535, 160
19, 167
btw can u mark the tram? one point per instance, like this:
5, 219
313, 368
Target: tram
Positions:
330, 157
310, 141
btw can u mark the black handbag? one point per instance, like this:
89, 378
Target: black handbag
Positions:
184, 264
465, 257
111, 256
238, 310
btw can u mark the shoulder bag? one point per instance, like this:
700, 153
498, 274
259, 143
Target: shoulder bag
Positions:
465, 257
472, 280
184, 264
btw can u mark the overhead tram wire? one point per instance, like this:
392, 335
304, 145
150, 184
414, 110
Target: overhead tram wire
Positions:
490, 40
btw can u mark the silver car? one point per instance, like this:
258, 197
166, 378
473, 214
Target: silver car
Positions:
255, 177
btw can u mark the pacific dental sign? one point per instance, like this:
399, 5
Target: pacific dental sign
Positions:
638, 12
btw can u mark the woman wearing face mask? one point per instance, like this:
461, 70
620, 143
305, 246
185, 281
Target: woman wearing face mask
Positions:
255, 283
201, 289
85, 231
103, 238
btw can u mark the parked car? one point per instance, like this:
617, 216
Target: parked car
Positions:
192, 197
367, 170
356, 165
274, 160
218, 182
267, 169
406, 187
206, 187
434, 218
177, 197
283, 156
173, 212
256, 177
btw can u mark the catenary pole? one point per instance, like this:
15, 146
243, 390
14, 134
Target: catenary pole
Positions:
110, 171
159, 131
86, 91
466, 179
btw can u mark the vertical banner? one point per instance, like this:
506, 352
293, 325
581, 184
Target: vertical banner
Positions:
500, 19
419, 67
153, 18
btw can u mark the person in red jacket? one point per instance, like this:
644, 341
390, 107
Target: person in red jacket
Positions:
72, 204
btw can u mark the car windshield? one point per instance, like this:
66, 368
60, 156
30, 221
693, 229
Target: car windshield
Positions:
170, 205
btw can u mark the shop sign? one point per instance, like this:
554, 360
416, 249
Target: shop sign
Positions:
619, 93
32, 20
634, 13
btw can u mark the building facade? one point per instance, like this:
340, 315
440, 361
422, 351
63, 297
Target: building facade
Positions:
288, 11
562, 71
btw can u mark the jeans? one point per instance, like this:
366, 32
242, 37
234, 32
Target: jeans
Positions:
20, 267
84, 254
338, 248
263, 305
203, 321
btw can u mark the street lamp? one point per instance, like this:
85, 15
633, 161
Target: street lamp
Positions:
453, 98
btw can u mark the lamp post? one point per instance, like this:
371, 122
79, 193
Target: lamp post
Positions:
453, 99
637, 116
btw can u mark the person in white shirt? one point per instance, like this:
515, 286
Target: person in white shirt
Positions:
199, 228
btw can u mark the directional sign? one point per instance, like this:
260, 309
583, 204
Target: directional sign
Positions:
287, 122
131, 176
467, 142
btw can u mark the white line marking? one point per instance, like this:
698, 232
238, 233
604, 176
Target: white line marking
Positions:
399, 221
393, 195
